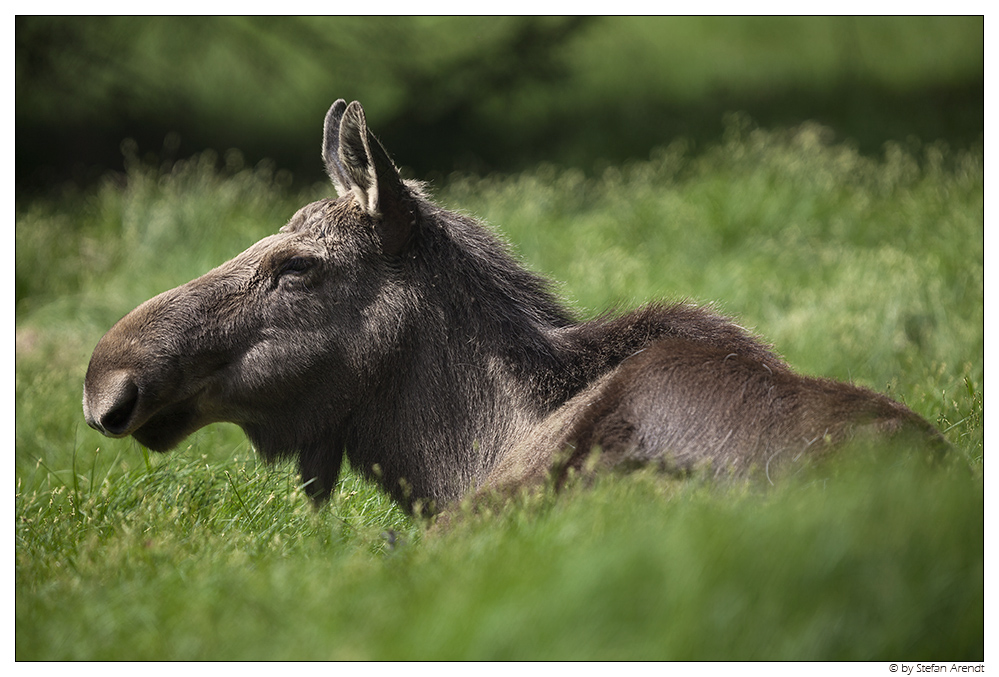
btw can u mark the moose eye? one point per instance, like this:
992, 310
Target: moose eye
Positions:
296, 265
294, 271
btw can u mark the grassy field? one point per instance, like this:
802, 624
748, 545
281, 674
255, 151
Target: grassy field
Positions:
859, 268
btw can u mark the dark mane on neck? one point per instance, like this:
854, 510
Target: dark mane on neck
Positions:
492, 277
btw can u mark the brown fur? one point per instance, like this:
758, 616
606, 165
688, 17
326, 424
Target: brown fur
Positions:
382, 326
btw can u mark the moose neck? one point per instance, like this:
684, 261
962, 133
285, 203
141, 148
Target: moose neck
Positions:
477, 364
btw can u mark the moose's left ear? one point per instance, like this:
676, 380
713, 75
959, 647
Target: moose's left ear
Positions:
331, 147
357, 162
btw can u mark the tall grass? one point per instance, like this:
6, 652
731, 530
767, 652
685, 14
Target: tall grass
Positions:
857, 268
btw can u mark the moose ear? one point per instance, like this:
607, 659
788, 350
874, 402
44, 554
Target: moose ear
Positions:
357, 162
331, 147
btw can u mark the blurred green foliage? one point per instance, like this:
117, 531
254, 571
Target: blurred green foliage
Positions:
478, 93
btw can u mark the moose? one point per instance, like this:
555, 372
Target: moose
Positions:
384, 327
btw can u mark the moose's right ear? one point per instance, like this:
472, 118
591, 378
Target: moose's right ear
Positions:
359, 166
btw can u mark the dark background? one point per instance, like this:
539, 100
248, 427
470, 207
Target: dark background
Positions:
477, 93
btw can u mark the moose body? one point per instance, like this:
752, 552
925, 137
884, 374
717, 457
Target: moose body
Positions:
382, 326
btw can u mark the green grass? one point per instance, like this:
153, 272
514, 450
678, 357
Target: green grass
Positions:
869, 269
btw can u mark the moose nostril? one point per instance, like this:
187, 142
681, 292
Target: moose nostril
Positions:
116, 405
117, 419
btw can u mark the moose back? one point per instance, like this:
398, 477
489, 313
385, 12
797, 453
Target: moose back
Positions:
382, 326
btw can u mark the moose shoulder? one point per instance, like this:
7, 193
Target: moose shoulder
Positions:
382, 326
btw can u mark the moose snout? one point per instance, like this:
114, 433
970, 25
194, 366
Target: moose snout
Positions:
109, 403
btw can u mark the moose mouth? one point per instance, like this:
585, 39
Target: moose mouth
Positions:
162, 431
167, 428
116, 405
